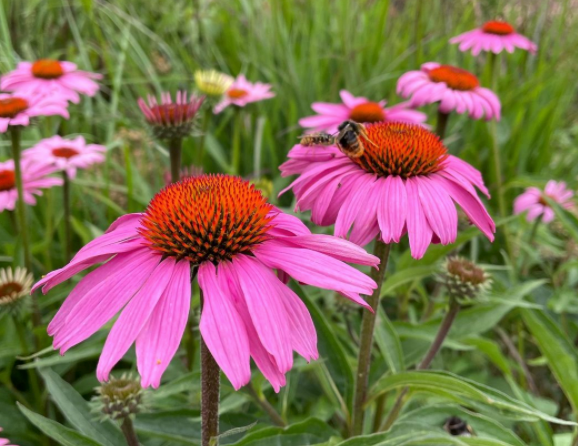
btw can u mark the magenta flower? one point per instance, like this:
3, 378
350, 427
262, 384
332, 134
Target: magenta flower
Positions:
35, 177
242, 92
51, 78
455, 89
66, 154
358, 109
169, 120
4, 441
223, 230
494, 36
404, 182
18, 108
533, 201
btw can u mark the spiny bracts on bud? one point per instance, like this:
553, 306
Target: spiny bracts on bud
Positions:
463, 279
119, 398
14, 289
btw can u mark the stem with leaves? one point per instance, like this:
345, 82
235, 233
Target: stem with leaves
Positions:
20, 205
381, 250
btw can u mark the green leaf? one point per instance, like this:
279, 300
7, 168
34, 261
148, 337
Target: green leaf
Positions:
388, 342
77, 411
176, 426
559, 351
308, 432
464, 391
56, 431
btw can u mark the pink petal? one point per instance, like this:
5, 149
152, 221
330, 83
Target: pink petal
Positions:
418, 229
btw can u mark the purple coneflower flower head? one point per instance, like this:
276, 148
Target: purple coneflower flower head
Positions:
171, 120
533, 201
35, 177
454, 88
242, 92
51, 78
223, 230
358, 109
16, 109
404, 182
66, 154
495, 36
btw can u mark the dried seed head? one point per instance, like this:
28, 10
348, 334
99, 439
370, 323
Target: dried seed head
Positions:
463, 279
14, 289
119, 398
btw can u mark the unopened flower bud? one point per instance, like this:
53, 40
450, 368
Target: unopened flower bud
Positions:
463, 279
119, 398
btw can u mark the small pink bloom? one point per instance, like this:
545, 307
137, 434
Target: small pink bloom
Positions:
5, 441
66, 154
494, 36
52, 78
170, 119
358, 109
18, 108
455, 89
404, 182
242, 92
35, 177
221, 228
532, 200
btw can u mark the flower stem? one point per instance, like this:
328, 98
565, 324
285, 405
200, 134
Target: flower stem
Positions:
175, 149
67, 216
442, 123
20, 205
32, 377
129, 432
266, 406
210, 375
204, 130
443, 331
236, 156
381, 250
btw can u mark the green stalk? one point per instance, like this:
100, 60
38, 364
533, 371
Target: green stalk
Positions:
175, 149
204, 130
236, 155
20, 205
381, 250
442, 123
129, 433
67, 216
210, 376
32, 377
129, 185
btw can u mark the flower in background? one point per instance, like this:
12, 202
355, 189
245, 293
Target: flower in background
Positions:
454, 88
18, 108
242, 92
358, 109
213, 82
66, 154
533, 200
171, 120
495, 36
404, 182
233, 240
4, 441
15, 288
52, 78
35, 177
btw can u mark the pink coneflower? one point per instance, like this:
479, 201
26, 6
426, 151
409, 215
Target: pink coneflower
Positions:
52, 78
35, 177
18, 108
66, 154
404, 182
455, 89
242, 92
533, 200
224, 231
495, 36
171, 120
358, 109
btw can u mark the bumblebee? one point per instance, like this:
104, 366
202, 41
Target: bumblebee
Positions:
349, 138
457, 427
317, 139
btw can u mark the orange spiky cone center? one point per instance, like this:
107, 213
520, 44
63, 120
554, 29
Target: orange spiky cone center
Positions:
47, 69
237, 93
498, 27
454, 77
65, 152
10, 107
367, 112
405, 150
206, 218
7, 180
